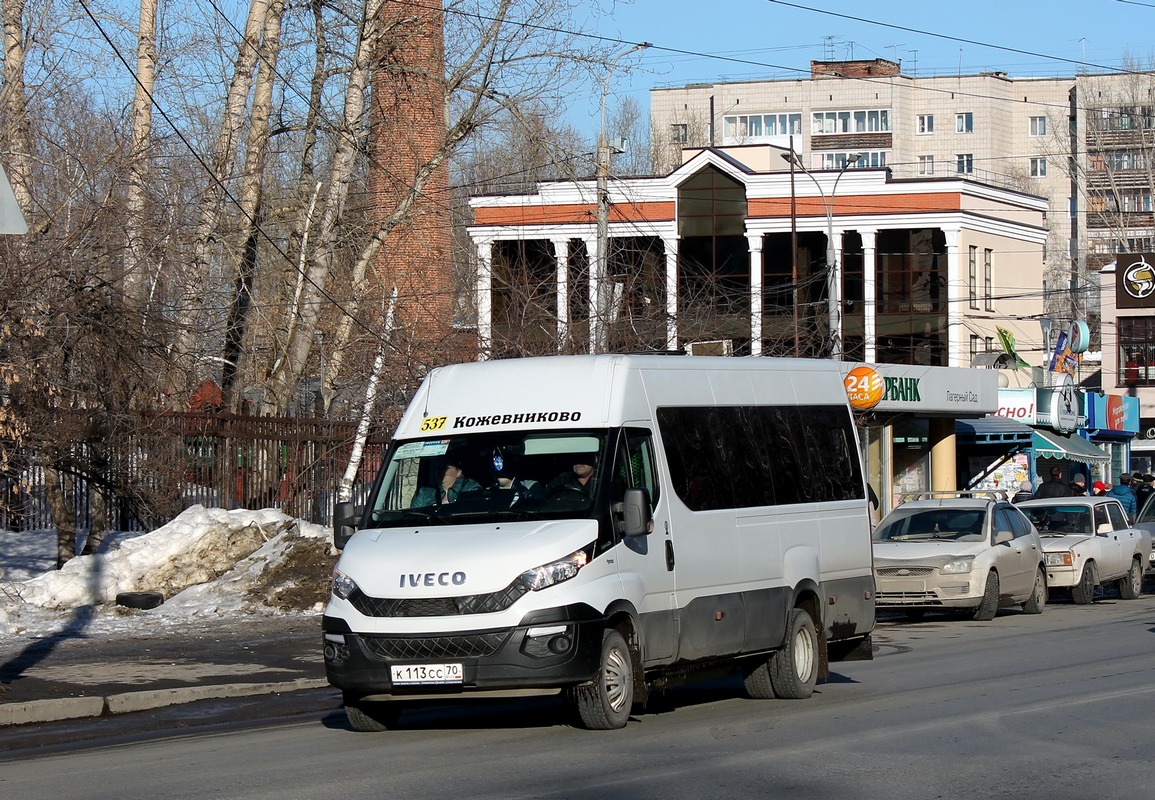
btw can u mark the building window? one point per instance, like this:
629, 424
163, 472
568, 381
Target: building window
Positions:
753, 128
926, 165
1136, 351
965, 163
964, 123
1038, 126
680, 133
926, 123
973, 282
974, 347
838, 160
1038, 167
835, 122
988, 279
990, 344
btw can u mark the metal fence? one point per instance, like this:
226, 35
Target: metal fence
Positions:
172, 461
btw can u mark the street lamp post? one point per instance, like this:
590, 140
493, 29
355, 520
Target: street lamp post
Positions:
833, 271
599, 321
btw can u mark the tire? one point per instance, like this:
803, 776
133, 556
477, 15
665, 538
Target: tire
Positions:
605, 702
144, 600
757, 682
794, 668
1131, 586
985, 611
369, 717
1083, 592
1038, 598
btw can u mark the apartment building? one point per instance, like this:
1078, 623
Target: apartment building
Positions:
1086, 143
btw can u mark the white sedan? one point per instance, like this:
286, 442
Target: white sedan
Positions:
1088, 543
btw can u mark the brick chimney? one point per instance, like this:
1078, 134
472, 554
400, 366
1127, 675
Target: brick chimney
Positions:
407, 130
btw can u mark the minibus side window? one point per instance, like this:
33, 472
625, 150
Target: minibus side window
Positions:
634, 467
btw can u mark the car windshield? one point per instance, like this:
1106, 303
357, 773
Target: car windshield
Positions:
1059, 519
929, 524
489, 477
1147, 514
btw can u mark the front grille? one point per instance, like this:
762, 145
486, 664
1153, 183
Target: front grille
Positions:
435, 648
438, 606
928, 598
903, 572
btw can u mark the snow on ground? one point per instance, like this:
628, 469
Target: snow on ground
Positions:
207, 563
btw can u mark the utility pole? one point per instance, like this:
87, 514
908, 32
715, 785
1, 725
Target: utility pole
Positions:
599, 320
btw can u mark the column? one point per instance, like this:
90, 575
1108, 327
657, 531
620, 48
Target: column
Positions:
943, 467
670, 246
484, 296
561, 253
754, 240
954, 282
869, 295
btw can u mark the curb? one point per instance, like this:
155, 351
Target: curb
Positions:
127, 702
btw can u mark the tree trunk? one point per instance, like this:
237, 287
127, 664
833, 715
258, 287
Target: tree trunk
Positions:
63, 514
136, 272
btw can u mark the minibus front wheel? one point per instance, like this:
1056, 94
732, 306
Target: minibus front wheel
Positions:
605, 702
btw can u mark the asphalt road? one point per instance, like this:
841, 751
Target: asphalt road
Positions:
1052, 706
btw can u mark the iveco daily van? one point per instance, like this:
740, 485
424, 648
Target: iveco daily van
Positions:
604, 526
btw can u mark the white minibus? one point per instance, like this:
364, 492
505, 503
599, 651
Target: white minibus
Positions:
604, 527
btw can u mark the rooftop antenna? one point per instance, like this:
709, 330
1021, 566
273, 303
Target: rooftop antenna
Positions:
960, 51
913, 62
828, 48
895, 57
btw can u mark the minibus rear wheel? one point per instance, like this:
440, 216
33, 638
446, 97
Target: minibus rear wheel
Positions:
794, 668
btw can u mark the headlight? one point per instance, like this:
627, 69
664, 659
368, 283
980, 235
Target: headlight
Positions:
557, 571
960, 566
1062, 559
343, 585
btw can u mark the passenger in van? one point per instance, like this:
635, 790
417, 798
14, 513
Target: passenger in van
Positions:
580, 479
453, 483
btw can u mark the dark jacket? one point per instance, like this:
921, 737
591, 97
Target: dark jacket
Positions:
1053, 488
1020, 496
1122, 493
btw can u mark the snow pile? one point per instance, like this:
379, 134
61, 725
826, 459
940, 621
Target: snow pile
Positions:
206, 562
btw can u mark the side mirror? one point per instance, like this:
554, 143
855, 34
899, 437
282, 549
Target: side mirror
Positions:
345, 519
1104, 529
636, 517
1002, 537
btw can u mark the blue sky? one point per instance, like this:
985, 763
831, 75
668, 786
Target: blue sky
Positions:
767, 39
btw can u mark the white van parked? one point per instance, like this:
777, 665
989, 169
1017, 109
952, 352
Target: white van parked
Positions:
604, 526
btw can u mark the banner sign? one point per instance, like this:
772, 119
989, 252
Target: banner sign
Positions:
1135, 280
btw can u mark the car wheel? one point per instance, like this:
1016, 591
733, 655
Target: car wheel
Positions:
1131, 585
794, 668
1084, 591
143, 600
990, 602
1038, 598
605, 702
367, 716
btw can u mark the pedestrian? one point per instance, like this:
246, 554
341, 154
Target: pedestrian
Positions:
1055, 486
1099, 488
1078, 485
1125, 495
1025, 492
1143, 489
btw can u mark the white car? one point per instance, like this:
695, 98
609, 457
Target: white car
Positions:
1089, 544
970, 553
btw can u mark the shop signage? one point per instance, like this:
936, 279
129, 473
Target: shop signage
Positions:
1113, 412
1018, 404
922, 390
1135, 280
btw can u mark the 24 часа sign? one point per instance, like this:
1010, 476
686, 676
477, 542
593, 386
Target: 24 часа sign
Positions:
1135, 280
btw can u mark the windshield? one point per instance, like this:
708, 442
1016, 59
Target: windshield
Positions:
1148, 512
1059, 519
956, 524
485, 477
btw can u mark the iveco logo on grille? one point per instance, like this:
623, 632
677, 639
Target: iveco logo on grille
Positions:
903, 572
415, 579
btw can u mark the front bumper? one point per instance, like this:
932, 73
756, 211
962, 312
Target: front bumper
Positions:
566, 652
1062, 577
928, 590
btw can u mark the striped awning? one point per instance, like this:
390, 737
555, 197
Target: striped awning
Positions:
992, 430
1049, 444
